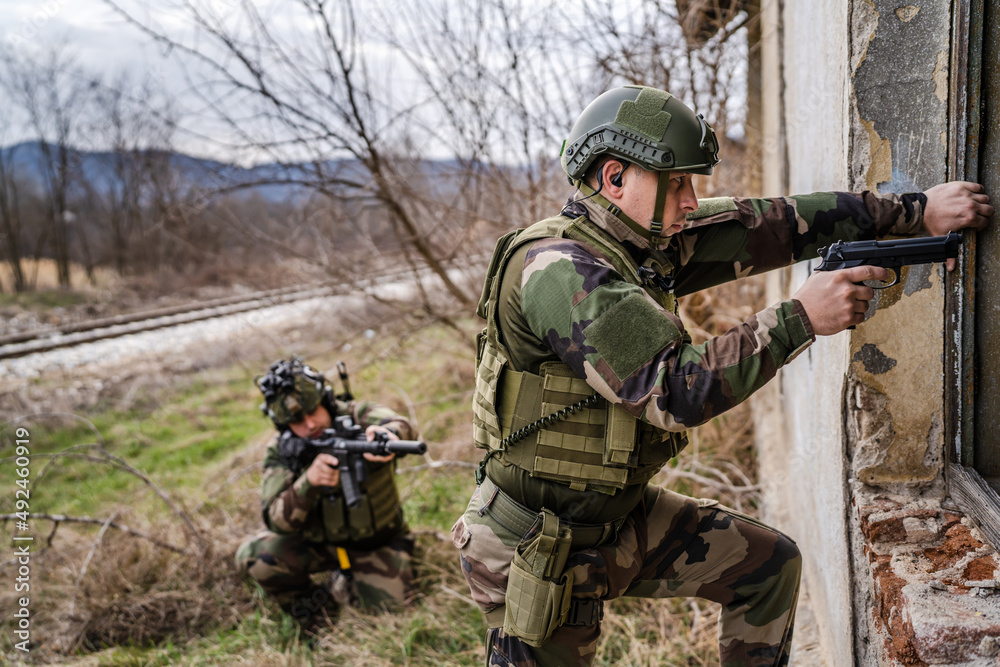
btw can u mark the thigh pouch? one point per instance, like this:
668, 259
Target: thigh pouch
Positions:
537, 599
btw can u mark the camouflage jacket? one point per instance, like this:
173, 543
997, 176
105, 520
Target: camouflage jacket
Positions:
290, 504
558, 300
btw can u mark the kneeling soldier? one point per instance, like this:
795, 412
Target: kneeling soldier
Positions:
310, 528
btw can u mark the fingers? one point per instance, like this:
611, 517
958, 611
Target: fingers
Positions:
969, 185
957, 205
835, 300
323, 471
328, 459
859, 274
373, 429
376, 458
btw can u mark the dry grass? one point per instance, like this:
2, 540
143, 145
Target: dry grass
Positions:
115, 599
43, 275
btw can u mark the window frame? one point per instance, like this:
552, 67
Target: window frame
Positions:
968, 490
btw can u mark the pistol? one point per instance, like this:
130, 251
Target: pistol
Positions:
891, 255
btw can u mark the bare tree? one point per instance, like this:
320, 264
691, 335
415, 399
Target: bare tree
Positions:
54, 96
443, 119
304, 100
11, 238
486, 67
135, 124
696, 49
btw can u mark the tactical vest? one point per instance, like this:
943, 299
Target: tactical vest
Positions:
553, 424
332, 521
380, 510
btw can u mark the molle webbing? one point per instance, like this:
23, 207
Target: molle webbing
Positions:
383, 496
379, 509
588, 448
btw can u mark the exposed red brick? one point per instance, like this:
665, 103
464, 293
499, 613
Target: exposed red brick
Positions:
958, 541
877, 505
980, 569
898, 634
889, 529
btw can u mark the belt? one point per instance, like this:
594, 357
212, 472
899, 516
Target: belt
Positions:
519, 519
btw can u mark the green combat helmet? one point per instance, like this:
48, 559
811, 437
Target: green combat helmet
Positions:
647, 126
291, 391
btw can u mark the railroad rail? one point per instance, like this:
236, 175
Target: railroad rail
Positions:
40, 340
51, 338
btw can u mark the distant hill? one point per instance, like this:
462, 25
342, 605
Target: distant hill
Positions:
271, 181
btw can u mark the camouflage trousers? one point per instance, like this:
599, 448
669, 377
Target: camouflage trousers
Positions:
668, 546
381, 578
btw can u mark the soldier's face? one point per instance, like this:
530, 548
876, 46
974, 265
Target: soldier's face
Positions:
639, 202
313, 424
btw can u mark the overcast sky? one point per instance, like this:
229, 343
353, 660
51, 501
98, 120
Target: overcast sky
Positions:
97, 38
100, 42
91, 35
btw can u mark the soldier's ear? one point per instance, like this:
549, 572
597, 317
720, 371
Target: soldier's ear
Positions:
616, 180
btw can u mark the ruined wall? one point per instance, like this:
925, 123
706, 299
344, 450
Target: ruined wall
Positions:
851, 434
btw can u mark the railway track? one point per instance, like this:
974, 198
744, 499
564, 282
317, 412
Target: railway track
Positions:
37, 341
42, 340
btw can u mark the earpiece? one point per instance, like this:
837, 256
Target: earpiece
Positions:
616, 180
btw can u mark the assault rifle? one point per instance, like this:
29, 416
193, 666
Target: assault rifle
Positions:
347, 441
891, 255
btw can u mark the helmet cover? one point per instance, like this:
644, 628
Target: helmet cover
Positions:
292, 390
644, 125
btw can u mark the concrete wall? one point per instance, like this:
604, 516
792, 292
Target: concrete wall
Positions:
805, 56
855, 96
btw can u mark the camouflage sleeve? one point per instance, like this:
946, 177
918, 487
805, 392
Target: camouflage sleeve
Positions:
367, 413
729, 238
638, 355
286, 500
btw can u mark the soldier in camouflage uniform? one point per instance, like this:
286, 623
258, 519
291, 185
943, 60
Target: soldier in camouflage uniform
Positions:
587, 382
309, 527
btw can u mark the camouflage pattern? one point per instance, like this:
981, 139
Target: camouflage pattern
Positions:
381, 578
293, 406
669, 546
565, 305
296, 543
288, 500
561, 301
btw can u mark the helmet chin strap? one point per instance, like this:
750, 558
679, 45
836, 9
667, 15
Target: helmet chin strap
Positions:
656, 224
654, 239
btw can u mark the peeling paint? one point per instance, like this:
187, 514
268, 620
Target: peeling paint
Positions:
907, 13
880, 168
867, 19
940, 77
917, 278
874, 361
903, 60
